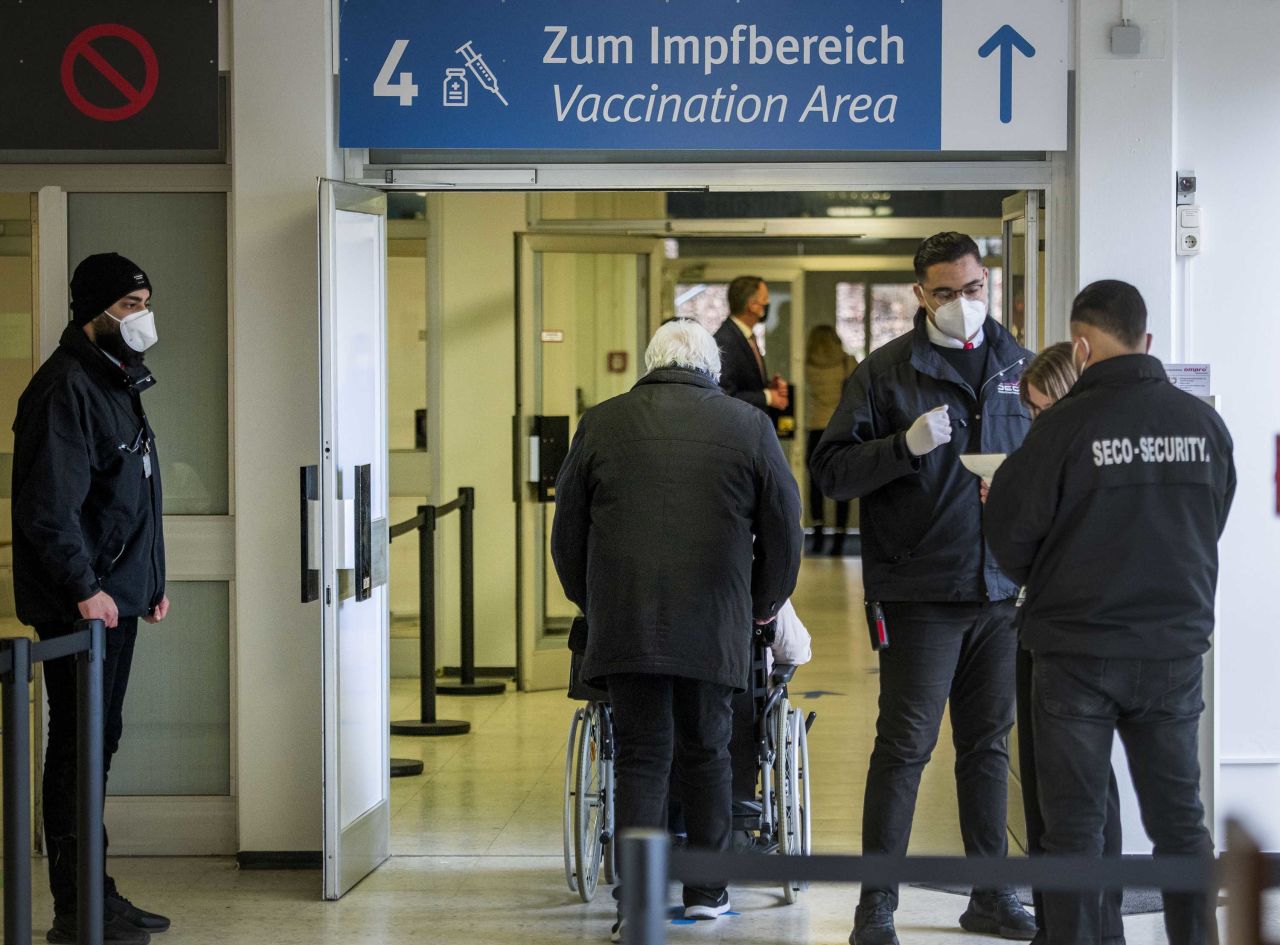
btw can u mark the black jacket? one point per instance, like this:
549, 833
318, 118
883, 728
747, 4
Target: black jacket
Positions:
921, 518
85, 516
1110, 513
677, 521
740, 375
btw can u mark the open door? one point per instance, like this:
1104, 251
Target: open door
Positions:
585, 310
353, 504
1024, 267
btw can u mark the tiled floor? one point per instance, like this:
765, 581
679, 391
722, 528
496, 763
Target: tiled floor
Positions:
477, 837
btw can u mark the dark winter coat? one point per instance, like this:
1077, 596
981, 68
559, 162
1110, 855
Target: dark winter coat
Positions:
86, 517
677, 521
1111, 513
921, 517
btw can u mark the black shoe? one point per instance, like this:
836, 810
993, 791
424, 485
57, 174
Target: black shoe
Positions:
837, 545
115, 931
139, 918
697, 906
615, 933
998, 914
819, 539
873, 922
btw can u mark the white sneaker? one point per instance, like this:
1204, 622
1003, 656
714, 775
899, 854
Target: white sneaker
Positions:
615, 934
709, 910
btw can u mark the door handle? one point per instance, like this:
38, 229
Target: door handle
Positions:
309, 520
364, 533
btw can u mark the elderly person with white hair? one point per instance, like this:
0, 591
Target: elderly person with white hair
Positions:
677, 524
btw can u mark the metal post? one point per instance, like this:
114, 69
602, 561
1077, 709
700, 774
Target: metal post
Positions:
467, 604
90, 785
427, 723
17, 793
644, 887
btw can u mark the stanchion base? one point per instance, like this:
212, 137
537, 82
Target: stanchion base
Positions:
405, 767
439, 727
471, 689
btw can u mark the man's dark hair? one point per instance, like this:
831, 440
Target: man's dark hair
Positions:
944, 248
1114, 307
740, 291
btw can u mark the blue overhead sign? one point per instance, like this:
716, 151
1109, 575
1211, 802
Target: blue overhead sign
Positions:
672, 75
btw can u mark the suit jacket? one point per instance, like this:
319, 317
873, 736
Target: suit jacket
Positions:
740, 375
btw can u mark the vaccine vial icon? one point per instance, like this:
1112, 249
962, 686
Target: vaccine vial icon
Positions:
455, 87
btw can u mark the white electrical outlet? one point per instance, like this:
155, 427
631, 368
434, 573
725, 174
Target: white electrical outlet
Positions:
1190, 238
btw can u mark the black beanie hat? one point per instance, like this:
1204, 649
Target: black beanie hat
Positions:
101, 281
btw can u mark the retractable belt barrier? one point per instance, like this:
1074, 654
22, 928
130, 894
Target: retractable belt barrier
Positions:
424, 523
649, 863
17, 656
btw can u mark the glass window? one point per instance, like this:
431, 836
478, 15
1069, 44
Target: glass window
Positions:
851, 317
177, 717
16, 365
705, 302
893, 308
181, 242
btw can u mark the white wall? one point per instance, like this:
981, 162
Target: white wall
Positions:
1202, 95
281, 129
1228, 131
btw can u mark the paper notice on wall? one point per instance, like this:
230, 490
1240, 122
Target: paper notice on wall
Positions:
1193, 378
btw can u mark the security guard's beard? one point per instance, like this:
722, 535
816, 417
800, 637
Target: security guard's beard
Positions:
106, 333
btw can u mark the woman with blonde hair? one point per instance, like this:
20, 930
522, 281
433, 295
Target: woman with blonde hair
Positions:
826, 367
1048, 378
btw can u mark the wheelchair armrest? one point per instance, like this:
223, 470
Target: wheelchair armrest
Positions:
782, 673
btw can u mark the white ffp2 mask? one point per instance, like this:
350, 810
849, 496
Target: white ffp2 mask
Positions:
961, 318
138, 330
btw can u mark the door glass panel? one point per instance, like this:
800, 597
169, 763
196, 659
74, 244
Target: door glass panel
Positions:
180, 240
893, 310
1015, 307
851, 317
177, 718
16, 366
594, 302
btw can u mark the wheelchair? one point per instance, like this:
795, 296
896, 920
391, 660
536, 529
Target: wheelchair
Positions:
778, 821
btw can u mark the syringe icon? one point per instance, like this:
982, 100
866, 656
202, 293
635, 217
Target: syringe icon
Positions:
480, 69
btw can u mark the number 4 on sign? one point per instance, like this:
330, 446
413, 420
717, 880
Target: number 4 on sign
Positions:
405, 88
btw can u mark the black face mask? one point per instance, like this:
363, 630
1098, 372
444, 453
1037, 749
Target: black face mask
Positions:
764, 313
107, 334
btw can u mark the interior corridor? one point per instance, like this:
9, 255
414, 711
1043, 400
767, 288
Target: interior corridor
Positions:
477, 837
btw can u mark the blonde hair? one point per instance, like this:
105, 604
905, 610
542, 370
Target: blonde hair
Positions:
1053, 371
823, 345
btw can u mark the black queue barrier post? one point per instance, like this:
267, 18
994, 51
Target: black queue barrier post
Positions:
467, 686
643, 870
427, 723
15, 664
88, 645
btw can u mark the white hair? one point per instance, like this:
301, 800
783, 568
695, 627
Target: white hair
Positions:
683, 343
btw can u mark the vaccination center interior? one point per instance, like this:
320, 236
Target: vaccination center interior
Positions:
398, 248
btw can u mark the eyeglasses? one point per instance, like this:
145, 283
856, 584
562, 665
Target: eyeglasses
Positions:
971, 292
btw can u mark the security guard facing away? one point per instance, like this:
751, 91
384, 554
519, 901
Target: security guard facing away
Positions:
948, 386
87, 539
1110, 513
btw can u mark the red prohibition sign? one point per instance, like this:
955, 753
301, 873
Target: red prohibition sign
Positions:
135, 99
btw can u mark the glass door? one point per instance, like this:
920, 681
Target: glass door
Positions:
585, 312
353, 522
1024, 267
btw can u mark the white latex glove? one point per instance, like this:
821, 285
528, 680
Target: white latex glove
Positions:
930, 431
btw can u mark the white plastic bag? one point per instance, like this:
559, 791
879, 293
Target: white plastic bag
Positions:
791, 641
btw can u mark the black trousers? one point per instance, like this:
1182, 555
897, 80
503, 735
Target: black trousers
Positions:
1112, 837
962, 654
815, 494
59, 787
1079, 703
651, 715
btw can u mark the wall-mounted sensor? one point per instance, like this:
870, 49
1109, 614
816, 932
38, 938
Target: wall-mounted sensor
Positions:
1184, 186
1126, 40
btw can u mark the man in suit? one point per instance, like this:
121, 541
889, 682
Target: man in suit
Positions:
743, 373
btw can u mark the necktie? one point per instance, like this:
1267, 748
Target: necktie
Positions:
755, 349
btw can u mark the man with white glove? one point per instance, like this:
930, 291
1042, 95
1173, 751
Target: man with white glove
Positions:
949, 386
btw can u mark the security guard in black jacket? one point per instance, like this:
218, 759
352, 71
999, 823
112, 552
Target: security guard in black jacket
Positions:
949, 386
87, 538
1110, 513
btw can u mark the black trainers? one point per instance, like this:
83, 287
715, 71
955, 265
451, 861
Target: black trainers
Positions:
151, 922
873, 922
615, 933
704, 907
998, 914
115, 931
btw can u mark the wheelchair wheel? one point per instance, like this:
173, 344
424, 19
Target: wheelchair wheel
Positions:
570, 754
610, 867
591, 803
786, 786
802, 775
